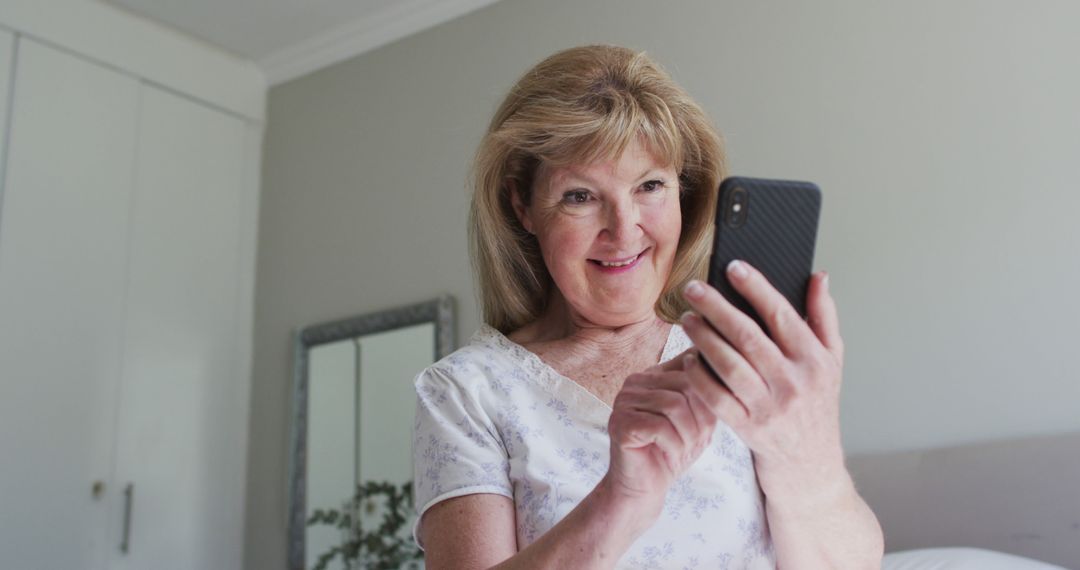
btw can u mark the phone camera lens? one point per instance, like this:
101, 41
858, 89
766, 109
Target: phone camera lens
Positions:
737, 204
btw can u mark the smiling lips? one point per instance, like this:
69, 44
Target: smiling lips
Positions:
617, 265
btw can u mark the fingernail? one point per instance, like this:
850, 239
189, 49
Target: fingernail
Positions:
737, 269
825, 281
694, 289
689, 361
685, 317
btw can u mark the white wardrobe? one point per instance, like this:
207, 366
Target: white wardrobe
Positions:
128, 210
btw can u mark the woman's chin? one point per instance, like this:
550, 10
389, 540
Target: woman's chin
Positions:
620, 315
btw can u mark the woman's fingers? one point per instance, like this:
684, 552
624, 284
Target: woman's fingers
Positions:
679, 389
785, 326
733, 326
741, 378
710, 400
669, 404
636, 429
782, 395
726, 406
705, 387
822, 317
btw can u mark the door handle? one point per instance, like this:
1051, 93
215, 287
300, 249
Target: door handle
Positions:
129, 498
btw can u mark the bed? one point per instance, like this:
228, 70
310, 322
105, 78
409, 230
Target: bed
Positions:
1008, 505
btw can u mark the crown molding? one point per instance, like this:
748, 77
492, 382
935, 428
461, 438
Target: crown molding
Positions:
142, 48
363, 35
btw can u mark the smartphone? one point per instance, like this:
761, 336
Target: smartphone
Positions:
772, 225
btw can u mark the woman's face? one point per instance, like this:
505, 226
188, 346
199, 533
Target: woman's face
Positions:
608, 233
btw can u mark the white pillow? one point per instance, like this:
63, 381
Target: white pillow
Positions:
960, 559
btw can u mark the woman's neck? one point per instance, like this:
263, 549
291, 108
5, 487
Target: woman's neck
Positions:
561, 323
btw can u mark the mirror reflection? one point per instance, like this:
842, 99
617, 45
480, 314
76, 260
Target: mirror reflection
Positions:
354, 436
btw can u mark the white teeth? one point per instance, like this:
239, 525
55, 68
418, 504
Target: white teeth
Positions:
619, 263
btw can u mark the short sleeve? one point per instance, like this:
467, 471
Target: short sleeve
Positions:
456, 448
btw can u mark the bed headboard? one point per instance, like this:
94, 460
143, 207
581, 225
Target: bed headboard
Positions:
1020, 496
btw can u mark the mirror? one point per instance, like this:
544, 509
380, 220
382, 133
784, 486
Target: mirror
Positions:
353, 406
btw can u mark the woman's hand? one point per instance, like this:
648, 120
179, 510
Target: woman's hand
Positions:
661, 422
782, 393
782, 398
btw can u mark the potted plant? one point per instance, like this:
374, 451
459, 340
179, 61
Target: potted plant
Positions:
376, 524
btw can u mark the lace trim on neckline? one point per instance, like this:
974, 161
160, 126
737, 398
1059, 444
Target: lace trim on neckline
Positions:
542, 372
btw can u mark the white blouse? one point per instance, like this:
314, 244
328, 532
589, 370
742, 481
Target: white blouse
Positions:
494, 418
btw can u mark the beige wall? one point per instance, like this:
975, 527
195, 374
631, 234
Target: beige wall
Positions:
945, 136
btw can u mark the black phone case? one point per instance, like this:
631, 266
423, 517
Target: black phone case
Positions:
776, 234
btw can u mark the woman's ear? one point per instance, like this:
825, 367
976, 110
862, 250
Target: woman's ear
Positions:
520, 209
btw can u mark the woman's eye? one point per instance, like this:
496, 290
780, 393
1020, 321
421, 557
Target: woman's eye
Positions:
576, 197
653, 185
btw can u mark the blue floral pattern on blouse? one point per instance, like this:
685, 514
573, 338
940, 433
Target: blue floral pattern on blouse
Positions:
494, 418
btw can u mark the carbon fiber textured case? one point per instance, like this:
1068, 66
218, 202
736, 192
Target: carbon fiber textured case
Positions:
772, 225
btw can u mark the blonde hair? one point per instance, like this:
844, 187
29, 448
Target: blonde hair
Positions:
578, 106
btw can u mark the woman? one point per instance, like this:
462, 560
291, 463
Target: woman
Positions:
578, 428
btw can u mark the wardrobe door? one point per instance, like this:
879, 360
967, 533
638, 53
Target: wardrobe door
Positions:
63, 261
184, 399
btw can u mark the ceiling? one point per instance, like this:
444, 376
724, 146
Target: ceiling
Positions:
290, 38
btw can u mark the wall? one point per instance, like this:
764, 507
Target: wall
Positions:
945, 136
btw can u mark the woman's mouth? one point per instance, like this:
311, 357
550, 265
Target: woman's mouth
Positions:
618, 265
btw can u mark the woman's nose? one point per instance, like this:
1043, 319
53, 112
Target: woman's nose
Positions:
622, 221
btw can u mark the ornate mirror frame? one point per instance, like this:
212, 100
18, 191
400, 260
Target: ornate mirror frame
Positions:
440, 311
